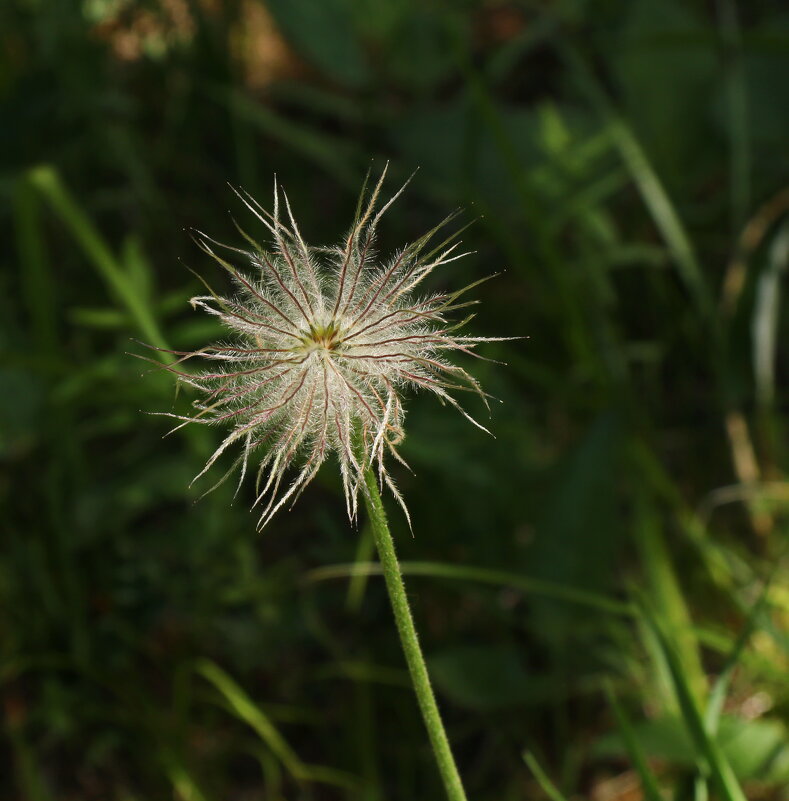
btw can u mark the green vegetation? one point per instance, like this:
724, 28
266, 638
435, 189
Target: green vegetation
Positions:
601, 590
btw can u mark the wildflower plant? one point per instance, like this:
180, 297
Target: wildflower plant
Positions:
322, 344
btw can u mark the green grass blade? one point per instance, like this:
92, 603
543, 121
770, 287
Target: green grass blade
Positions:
720, 771
710, 553
272, 772
649, 782
246, 709
766, 317
662, 210
721, 686
653, 193
243, 706
124, 288
484, 576
183, 783
666, 593
547, 786
137, 267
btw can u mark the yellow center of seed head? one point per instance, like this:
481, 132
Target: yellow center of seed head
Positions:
326, 337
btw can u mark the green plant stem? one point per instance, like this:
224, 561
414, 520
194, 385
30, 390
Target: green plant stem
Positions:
413, 653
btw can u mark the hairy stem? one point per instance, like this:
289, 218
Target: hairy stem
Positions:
413, 653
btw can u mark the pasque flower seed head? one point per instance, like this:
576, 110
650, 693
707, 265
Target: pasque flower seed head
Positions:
322, 343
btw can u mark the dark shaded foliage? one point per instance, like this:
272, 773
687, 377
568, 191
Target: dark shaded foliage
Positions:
626, 163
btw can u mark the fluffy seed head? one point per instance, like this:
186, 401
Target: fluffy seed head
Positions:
321, 344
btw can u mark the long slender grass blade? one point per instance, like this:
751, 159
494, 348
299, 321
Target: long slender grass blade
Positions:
721, 773
653, 193
649, 782
764, 325
547, 786
484, 576
246, 709
98, 252
721, 686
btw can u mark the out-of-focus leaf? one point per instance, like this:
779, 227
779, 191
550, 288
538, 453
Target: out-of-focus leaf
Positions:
581, 505
665, 82
428, 57
662, 738
323, 32
755, 749
21, 406
316, 145
484, 677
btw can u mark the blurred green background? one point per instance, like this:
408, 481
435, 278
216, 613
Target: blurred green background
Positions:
601, 589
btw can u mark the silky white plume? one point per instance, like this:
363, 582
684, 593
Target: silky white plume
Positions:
322, 343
